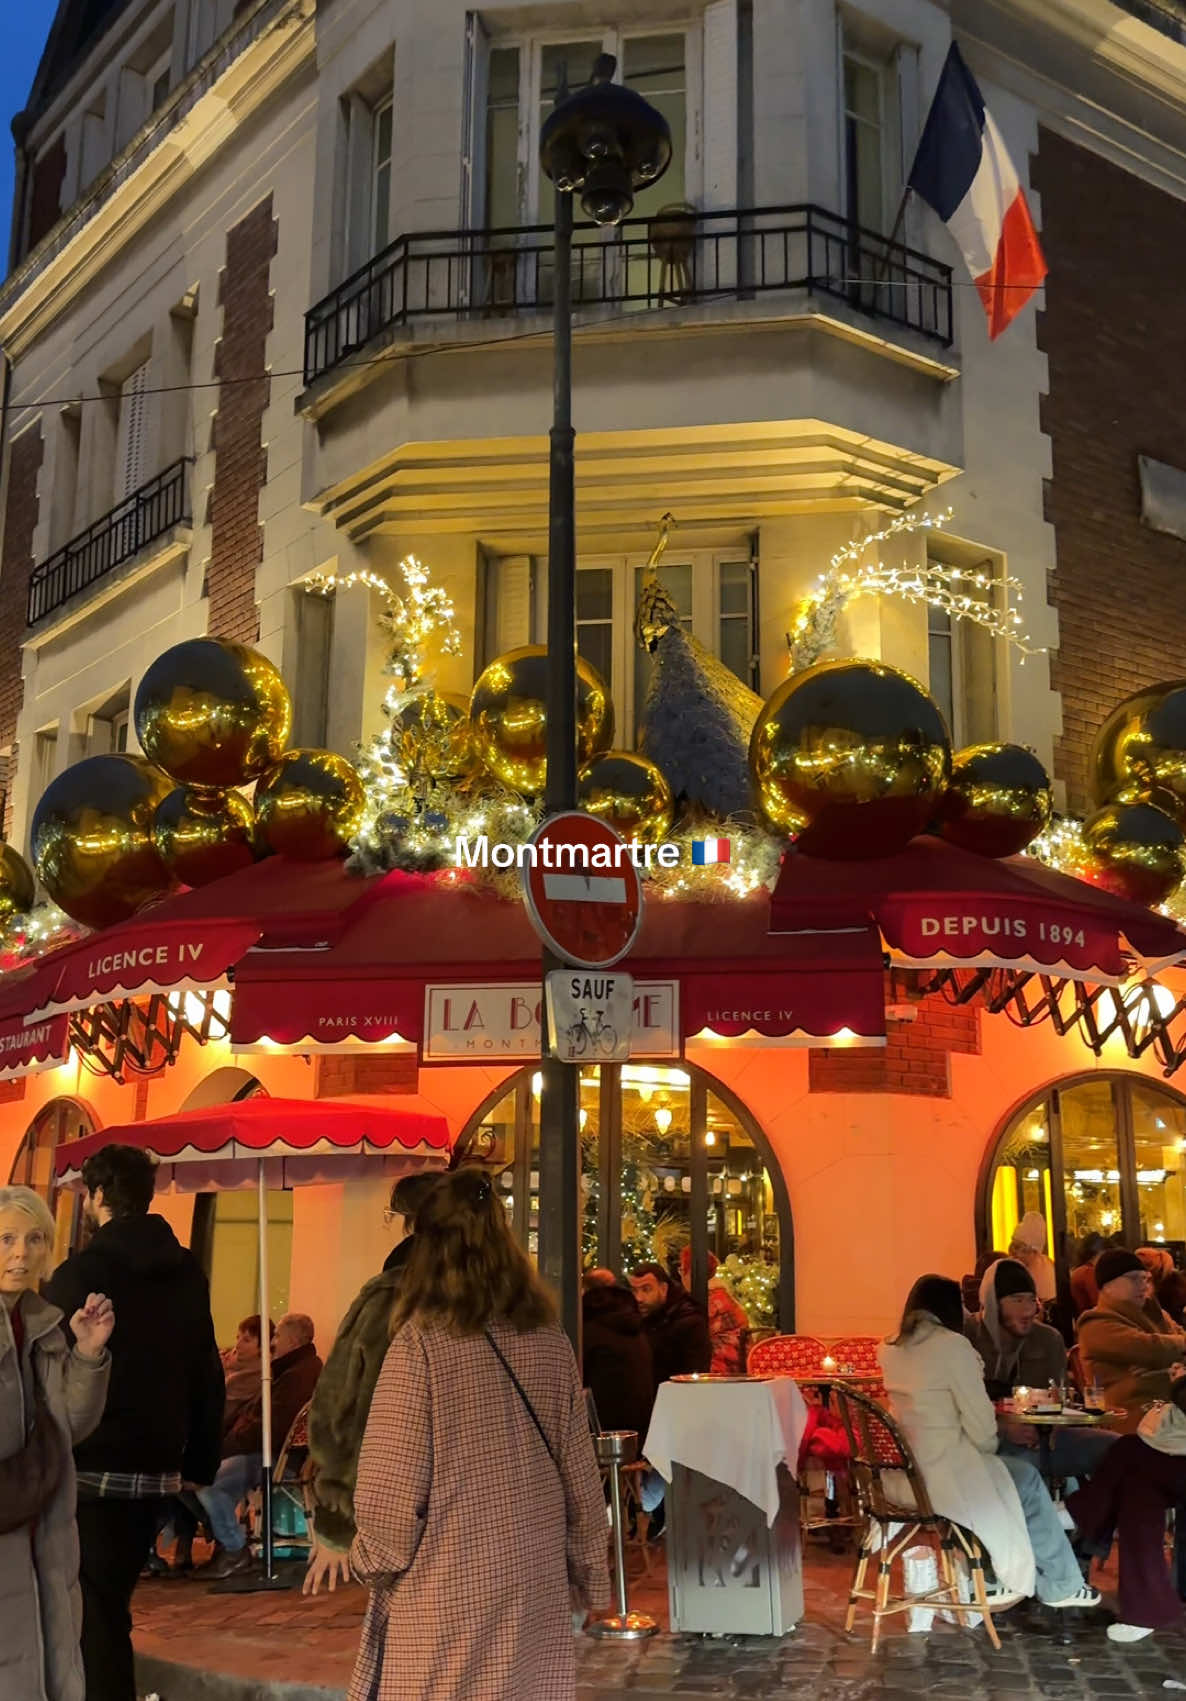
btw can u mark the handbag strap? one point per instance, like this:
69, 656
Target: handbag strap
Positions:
522, 1393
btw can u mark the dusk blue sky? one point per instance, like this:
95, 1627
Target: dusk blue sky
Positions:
26, 26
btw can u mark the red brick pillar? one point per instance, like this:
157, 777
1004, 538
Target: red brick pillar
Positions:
16, 566
240, 461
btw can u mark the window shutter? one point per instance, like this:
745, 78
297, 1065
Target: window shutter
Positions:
473, 121
719, 111
131, 451
511, 609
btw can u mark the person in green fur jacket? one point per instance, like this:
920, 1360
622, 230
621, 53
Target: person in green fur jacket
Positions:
342, 1399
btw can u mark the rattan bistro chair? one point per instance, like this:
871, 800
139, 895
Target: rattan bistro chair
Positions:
893, 1502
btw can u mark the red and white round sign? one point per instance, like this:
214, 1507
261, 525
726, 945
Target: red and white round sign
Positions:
582, 890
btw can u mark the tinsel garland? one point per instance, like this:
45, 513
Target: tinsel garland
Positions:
25, 938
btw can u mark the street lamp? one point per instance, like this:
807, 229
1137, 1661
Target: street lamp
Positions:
604, 142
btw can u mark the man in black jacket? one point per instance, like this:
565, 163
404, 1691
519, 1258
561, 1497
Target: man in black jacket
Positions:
675, 1325
616, 1355
162, 1425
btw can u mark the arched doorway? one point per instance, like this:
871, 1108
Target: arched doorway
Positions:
1103, 1153
55, 1124
670, 1158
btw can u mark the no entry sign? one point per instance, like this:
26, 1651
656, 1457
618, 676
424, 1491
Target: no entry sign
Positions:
582, 890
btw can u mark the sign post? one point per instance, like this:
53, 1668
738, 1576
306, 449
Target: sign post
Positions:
584, 900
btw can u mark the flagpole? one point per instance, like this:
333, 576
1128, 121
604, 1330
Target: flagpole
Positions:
894, 234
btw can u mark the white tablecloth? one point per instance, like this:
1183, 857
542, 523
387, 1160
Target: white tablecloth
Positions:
737, 1433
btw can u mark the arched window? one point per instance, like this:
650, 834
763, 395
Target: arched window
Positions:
670, 1158
1103, 1153
55, 1124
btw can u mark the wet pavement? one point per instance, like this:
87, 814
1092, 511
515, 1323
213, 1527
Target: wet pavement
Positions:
198, 1646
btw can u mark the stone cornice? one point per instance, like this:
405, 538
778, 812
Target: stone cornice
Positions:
1122, 34
122, 203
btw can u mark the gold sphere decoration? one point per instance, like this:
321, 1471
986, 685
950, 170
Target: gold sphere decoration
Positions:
212, 713
18, 889
629, 793
1135, 851
998, 799
202, 835
432, 739
310, 805
1140, 751
92, 838
508, 712
850, 756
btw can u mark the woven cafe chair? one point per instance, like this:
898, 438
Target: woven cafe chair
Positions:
893, 1501
291, 1481
858, 1353
786, 1355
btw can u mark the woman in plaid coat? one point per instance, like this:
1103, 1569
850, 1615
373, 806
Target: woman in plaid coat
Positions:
480, 1513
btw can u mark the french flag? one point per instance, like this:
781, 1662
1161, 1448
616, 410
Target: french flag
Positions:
962, 169
707, 851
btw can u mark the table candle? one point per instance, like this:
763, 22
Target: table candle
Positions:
829, 1363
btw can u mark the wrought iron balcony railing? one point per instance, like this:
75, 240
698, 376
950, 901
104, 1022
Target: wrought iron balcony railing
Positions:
671, 260
137, 521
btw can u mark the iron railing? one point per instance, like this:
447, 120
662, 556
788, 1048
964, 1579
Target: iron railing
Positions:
141, 518
671, 260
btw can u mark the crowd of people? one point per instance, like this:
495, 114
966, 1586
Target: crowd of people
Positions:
951, 1372
450, 1395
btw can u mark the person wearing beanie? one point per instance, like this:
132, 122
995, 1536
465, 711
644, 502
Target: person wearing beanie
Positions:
1020, 1352
1127, 1342
1028, 1246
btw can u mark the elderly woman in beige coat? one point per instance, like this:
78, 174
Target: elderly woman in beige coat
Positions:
50, 1398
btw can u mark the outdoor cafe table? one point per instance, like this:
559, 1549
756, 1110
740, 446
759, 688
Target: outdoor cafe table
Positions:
1047, 1422
728, 1448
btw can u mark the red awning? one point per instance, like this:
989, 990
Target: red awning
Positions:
419, 931
190, 940
299, 1140
938, 906
26, 1047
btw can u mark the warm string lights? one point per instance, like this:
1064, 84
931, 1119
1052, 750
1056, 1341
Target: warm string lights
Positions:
1061, 847
24, 938
964, 593
422, 613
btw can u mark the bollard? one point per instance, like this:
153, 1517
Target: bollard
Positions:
615, 1448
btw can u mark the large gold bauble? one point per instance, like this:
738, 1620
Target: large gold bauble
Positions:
629, 793
213, 713
310, 805
851, 756
202, 835
18, 889
432, 739
508, 712
998, 799
1135, 851
92, 838
1140, 751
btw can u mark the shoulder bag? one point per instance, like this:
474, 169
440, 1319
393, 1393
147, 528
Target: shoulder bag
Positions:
522, 1393
1163, 1427
29, 1476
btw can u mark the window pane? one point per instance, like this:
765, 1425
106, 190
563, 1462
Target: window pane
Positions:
655, 66
1021, 1182
656, 1163
502, 138
735, 587
1159, 1136
383, 133
862, 91
576, 59
736, 650
595, 593
596, 644
941, 663
1091, 1173
742, 1221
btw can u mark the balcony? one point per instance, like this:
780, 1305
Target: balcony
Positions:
141, 519
644, 265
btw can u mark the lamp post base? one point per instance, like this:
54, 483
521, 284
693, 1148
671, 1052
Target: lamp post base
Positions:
624, 1627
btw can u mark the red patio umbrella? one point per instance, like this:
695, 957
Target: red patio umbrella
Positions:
273, 1142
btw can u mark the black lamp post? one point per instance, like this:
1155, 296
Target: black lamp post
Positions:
603, 141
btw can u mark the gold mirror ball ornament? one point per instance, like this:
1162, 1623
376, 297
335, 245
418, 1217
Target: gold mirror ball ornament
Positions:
202, 835
18, 889
212, 713
997, 801
850, 756
629, 793
432, 739
310, 805
92, 838
508, 712
1134, 851
1140, 751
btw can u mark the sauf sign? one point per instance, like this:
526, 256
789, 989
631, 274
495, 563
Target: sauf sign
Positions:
590, 1015
482, 1024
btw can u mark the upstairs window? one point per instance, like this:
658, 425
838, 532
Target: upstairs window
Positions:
366, 144
962, 656
871, 124
131, 451
381, 175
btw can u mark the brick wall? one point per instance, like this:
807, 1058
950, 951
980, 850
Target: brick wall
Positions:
240, 461
1115, 342
339, 1076
16, 564
916, 1059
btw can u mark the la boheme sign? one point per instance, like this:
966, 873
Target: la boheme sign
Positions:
484, 1024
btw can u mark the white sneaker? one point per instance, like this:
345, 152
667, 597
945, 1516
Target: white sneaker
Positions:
1128, 1632
1084, 1597
999, 1597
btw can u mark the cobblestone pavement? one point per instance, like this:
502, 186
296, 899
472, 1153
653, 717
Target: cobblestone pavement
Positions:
194, 1644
